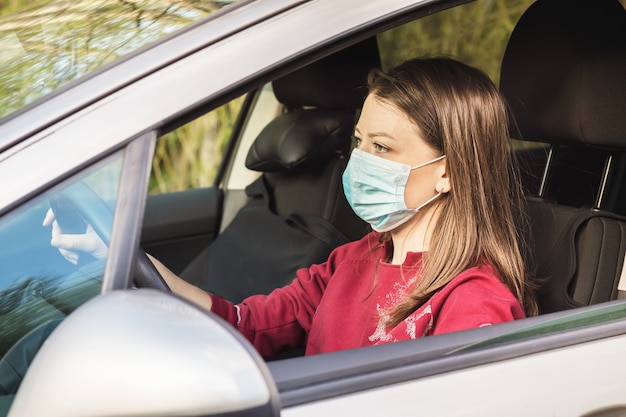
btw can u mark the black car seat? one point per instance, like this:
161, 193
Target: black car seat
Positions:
564, 77
296, 212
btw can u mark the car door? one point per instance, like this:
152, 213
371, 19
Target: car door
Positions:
559, 364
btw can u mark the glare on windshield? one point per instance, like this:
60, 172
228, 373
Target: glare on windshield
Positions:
43, 48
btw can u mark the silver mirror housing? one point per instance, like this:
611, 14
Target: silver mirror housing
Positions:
145, 352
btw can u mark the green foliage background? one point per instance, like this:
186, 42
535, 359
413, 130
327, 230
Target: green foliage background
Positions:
476, 33
189, 156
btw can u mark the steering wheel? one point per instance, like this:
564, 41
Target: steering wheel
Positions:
77, 206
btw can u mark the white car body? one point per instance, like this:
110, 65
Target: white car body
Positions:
555, 365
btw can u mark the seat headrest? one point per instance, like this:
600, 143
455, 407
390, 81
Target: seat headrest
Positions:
336, 81
564, 73
301, 140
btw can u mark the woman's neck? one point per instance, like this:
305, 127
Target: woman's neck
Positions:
413, 236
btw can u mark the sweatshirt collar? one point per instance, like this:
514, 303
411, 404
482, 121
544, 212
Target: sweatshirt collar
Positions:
412, 258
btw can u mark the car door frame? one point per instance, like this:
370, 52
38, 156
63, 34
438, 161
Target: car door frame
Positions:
546, 365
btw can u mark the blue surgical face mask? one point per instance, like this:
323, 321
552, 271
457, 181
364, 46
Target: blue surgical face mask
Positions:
374, 187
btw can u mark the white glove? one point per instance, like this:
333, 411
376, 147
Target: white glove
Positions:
71, 245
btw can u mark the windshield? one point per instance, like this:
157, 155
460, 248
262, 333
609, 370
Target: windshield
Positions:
44, 47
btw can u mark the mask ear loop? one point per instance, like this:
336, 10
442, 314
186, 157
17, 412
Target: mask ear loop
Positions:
438, 189
432, 161
430, 200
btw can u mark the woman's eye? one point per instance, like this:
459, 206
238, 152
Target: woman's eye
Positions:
356, 141
380, 148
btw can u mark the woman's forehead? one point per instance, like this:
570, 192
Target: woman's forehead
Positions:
383, 118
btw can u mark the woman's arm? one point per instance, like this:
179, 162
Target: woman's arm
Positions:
183, 288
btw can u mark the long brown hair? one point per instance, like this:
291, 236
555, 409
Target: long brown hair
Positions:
460, 113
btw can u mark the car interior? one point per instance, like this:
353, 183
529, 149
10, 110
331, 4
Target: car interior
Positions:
573, 158
296, 212
568, 133
565, 91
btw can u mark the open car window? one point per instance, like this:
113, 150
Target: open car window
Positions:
38, 285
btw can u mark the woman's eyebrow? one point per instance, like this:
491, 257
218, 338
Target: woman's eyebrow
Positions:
377, 134
380, 134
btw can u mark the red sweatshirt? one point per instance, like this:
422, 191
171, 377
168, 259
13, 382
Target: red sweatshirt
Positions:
342, 303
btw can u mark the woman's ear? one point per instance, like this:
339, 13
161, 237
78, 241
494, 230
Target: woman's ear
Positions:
443, 183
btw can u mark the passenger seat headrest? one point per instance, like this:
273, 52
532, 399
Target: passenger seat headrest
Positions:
336, 81
564, 73
301, 140
324, 97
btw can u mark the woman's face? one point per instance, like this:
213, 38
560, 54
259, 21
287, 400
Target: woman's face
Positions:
386, 131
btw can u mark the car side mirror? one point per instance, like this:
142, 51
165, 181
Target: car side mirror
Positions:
145, 352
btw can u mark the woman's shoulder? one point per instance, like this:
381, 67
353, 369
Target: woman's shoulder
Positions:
484, 278
476, 286
475, 298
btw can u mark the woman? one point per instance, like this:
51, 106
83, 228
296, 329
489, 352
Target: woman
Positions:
432, 173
